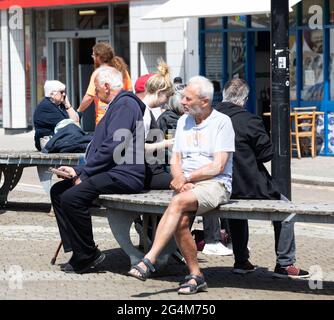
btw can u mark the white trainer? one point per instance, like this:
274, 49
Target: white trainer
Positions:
217, 249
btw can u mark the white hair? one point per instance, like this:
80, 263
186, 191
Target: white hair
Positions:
109, 75
236, 91
204, 85
53, 86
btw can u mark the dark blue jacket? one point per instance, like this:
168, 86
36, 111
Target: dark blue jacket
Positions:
104, 152
69, 139
46, 117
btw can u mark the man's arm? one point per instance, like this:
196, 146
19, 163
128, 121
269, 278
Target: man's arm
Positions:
209, 170
260, 140
85, 103
71, 112
205, 172
89, 96
124, 119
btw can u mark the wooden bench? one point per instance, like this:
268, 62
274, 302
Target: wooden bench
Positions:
122, 210
12, 164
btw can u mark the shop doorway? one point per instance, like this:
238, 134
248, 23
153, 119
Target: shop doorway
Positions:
72, 64
262, 75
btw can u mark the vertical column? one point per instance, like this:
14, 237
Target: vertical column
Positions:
280, 95
13, 65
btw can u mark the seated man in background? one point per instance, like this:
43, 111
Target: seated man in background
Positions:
54, 108
251, 180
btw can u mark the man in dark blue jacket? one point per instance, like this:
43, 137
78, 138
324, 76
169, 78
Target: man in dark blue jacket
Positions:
114, 164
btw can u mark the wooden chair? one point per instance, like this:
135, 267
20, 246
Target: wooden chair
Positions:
303, 126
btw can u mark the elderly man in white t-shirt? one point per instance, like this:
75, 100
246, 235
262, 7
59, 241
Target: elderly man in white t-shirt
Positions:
201, 167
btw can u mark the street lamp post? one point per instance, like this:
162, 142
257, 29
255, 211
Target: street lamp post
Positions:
280, 95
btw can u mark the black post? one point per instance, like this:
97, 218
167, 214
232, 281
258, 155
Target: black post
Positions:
280, 95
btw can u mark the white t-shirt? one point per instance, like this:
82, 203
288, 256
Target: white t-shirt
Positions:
147, 121
198, 143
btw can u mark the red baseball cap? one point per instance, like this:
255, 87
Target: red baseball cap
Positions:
141, 82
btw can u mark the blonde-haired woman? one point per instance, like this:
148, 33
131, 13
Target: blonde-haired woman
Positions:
155, 90
103, 55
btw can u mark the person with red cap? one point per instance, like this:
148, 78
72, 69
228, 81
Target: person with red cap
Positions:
155, 90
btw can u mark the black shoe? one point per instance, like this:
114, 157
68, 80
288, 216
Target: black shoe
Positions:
243, 267
99, 258
291, 272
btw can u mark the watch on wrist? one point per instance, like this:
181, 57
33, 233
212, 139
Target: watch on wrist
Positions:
187, 176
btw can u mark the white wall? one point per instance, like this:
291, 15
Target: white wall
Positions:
13, 74
174, 32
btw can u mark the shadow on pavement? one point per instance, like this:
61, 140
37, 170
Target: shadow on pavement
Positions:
216, 277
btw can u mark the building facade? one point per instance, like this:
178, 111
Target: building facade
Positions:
54, 42
239, 46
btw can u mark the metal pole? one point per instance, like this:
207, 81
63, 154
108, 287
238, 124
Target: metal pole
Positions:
280, 95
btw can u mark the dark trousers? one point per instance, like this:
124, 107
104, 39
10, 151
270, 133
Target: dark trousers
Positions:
160, 181
212, 226
71, 204
285, 245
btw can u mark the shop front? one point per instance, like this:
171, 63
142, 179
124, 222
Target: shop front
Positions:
56, 43
239, 46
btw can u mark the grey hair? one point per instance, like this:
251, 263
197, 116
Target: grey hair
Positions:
174, 103
109, 75
236, 91
205, 87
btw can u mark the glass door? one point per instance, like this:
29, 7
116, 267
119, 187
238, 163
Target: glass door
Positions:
60, 52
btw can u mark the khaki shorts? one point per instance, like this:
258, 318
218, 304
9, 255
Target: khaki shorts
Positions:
210, 194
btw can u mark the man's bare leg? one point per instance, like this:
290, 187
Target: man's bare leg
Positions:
180, 203
187, 245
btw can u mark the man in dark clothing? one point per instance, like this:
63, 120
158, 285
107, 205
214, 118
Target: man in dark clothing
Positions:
114, 164
251, 180
54, 108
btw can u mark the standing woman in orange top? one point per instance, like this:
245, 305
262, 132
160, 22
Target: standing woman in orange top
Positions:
103, 55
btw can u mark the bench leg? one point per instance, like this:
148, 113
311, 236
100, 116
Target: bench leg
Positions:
45, 177
9, 178
120, 223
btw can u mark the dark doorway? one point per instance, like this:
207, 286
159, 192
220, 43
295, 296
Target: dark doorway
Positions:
262, 75
83, 68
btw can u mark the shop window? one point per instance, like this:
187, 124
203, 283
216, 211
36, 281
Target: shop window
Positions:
293, 66
27, 42
236, 22
331, 64
293, 17
312, 65
213, 56
213, 23
41, 53
79, 18
237, 55
312, 9
261, 21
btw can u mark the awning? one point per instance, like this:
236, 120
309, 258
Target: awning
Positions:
5, 4
174, 9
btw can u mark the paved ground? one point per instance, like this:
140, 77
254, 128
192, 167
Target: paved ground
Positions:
28, 238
